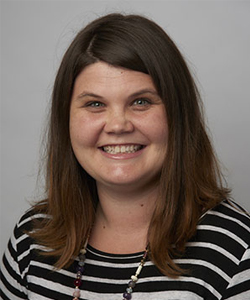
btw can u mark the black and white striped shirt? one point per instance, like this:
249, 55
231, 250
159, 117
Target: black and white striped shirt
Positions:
218, 260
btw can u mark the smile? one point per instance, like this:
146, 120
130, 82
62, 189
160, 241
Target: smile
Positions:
117, 149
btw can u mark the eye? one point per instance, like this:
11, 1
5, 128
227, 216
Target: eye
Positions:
94, 104
142, 102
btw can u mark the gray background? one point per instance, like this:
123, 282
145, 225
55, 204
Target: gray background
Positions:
213, 36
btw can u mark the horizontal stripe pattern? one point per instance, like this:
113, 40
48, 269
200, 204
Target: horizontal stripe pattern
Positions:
217, 260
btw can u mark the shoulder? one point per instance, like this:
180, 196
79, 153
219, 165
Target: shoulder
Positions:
219, 251
27, 223
33, 213
18, 255
228, 219
21, 245
226, 230
229, 209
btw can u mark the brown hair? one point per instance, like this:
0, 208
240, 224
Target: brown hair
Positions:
190, 180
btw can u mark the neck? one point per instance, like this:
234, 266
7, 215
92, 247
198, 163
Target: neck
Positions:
122, 220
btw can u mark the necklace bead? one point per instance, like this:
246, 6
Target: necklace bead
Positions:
134, 278
127, 295
131, 284
76, 293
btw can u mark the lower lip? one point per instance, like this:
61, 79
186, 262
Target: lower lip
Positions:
122, 156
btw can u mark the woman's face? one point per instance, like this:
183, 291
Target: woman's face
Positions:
118, 126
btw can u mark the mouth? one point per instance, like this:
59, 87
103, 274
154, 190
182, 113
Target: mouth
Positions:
117, 149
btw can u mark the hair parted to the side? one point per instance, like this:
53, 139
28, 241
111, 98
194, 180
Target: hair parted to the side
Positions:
191, 182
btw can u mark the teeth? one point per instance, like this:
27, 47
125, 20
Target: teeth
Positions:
122, 149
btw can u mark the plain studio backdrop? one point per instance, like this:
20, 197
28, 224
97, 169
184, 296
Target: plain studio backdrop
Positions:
212, 35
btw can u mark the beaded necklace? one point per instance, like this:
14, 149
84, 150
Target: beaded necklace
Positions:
127, 295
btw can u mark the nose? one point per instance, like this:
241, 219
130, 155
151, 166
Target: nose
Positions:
118, 122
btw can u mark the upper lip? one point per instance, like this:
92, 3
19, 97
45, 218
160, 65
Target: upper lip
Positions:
121, 144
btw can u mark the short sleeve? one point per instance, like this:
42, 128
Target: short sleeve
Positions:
239, 287
13, 286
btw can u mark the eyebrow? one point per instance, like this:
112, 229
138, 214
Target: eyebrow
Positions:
136, 94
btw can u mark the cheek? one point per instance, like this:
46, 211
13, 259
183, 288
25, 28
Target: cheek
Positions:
79, 132
158, 128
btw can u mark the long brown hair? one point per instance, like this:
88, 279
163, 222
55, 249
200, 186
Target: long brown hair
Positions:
190, 182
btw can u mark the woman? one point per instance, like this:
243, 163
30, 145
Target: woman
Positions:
136, 207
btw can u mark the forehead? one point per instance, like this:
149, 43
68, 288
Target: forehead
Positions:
102, 77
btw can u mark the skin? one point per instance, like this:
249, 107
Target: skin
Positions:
118, 130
